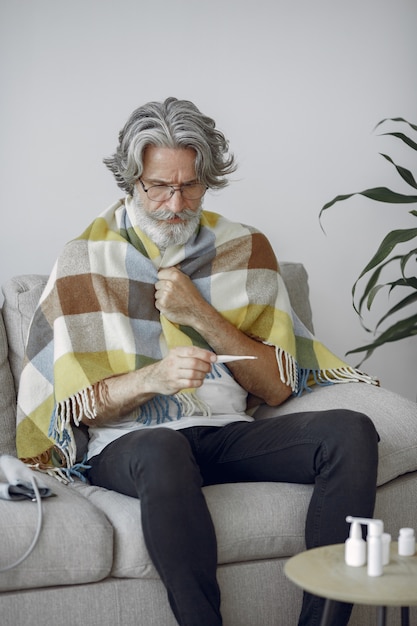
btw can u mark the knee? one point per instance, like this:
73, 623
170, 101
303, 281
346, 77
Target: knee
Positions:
364, 425
160, 445
354, 435
161, 454
348, 424
358, 427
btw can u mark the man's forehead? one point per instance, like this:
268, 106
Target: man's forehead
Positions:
162, 163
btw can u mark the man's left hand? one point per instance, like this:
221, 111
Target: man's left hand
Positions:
177, 298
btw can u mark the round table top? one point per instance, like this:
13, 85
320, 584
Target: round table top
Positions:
323, 572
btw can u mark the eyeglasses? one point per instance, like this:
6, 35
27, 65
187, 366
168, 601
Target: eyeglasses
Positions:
161, 193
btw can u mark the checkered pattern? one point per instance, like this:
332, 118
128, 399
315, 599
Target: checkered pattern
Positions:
97, 318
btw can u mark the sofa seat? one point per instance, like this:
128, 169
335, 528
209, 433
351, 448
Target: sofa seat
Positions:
241, 535
235, 508
75, 545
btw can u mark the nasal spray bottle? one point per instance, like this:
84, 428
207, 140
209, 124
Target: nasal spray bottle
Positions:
373, 541
355, 545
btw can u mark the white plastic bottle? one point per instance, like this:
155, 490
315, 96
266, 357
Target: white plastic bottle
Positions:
386, 543
355, 546
406, 542
374, 540
374, 543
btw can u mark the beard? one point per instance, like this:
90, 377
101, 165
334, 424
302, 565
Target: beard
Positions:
155, 224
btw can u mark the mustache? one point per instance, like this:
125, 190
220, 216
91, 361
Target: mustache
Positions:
165, 214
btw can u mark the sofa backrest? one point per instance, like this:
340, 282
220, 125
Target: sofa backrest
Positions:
21, 295
7, 397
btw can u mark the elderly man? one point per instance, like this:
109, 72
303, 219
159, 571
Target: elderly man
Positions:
127, 339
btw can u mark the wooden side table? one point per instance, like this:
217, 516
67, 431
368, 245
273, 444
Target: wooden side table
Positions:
323, 572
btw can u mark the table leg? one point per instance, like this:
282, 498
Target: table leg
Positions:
327, 612
382, 615
405, 616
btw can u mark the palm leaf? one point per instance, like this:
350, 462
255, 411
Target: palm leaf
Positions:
380, 194
412, 297
396, 119
403, 282
387, 245
406, 327
373, 293
410, 143
404, 261
370, 284
403, 172
383, 194
400, 330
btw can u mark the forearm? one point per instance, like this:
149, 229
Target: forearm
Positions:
259, 377
182, 368
118, 396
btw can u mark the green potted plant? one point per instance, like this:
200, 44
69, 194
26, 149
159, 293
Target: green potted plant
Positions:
371, 280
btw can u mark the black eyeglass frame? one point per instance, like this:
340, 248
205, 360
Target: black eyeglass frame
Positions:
173, 190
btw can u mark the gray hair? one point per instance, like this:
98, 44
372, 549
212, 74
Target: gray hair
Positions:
171, 124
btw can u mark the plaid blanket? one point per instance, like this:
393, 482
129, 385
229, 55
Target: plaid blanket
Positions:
97, 318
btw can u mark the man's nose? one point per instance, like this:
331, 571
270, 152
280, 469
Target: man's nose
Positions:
176, 202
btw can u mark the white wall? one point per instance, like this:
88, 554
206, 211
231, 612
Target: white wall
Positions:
296, 85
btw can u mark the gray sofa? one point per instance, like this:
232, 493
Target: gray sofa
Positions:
91, 566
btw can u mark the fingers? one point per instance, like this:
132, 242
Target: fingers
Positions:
176, 297
167, 276
191, 379
194, 358
168, 273
187, 366
165, 287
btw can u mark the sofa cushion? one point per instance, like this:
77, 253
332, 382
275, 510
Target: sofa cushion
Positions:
75, 545
235, 512
7, 398
395, 419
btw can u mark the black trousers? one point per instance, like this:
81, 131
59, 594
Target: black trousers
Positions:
336, 451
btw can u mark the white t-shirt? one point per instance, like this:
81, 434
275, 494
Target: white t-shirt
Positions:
225, 397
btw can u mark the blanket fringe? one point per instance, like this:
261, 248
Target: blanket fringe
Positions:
73, 409
343, 375
288, 369
298, 378
158, 407
169, 408
161, 408
64, 475
55, 472
192, 405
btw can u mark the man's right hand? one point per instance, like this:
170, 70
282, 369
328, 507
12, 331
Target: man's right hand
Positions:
183, 368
